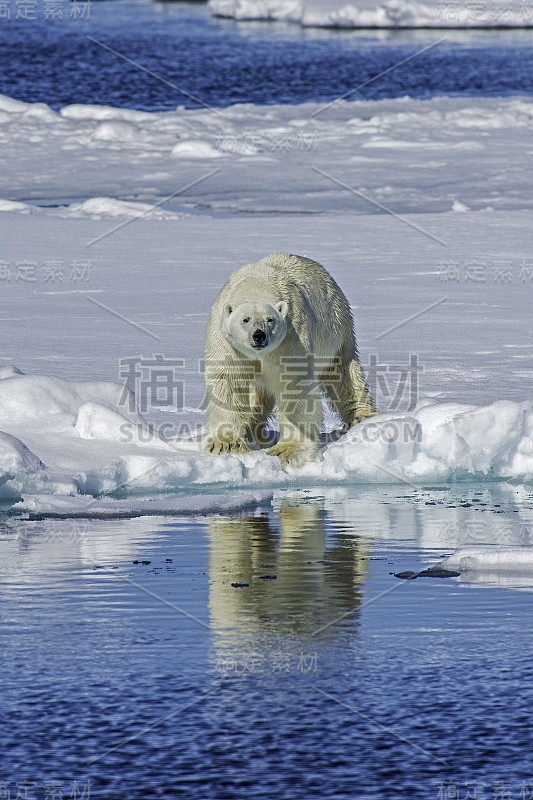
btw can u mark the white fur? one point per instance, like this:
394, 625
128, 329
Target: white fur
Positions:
279, 334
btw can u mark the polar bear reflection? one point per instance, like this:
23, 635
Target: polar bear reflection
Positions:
317, 580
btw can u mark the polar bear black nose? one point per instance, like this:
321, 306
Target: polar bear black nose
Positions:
259, 336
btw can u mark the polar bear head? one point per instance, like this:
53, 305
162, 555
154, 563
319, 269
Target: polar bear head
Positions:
255, 329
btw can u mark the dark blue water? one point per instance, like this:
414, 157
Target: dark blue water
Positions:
219, 62
147, 658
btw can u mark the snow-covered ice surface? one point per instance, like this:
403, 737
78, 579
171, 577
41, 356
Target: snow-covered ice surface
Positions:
441, 300
87, 507
367, 14
487, 558
409, 155
63, 437
503, 565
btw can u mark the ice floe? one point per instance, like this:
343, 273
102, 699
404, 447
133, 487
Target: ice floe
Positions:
388, 14
74, 438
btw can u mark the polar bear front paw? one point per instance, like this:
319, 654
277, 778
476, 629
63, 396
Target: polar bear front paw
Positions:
293, 453
217, 446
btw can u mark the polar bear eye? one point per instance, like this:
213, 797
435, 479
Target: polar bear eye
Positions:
246, 319
270, 320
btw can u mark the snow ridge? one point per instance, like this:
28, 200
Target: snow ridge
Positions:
72, 438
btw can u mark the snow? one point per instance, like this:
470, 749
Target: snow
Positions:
503, 566
92, 444
95, 208
16, 459
388, 14
245, 158
192, 148
499, 559
81, 112
287, 10
432, 247
88, 507
108, 207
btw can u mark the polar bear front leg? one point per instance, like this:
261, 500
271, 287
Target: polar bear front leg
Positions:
300, 421
226, 433
228, 411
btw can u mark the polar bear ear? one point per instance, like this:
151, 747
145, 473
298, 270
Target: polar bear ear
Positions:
282, 308
227, 309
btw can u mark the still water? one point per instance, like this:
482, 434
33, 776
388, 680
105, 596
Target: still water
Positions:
273, 654
184, 57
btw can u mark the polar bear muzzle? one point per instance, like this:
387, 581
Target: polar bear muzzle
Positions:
259, 338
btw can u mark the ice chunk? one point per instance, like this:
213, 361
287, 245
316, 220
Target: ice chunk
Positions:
389, 14
96, 421
26, 398
12, 106
195, 148
290, 10
108, 508
117, 132
109, 207
16, 458
93, 112
512, 558
9, 372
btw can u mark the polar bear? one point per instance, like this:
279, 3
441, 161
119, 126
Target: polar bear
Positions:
280, 333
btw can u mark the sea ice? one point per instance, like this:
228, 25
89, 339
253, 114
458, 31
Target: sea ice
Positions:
487, 559
389, 14
93, 284
92, 444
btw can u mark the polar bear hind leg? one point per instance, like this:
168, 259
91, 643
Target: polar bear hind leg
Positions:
295, 452
344, 384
